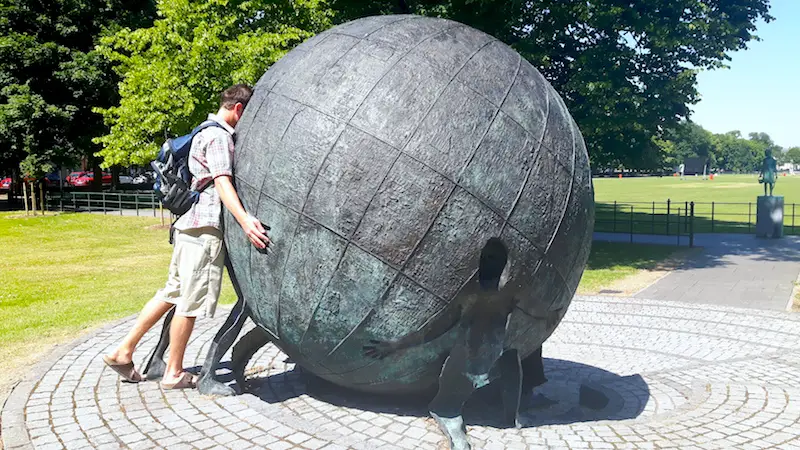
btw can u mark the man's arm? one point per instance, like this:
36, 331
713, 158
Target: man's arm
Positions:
250, 225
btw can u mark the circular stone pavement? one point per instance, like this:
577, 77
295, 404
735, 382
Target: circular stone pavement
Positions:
675, 376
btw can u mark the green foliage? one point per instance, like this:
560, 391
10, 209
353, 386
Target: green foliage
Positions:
692, 140
173, 72
626, 72
793, 155
736, 154
727, 151
51, 77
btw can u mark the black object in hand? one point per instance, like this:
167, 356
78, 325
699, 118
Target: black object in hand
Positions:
264, 250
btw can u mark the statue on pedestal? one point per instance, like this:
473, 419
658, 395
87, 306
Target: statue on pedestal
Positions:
769, 172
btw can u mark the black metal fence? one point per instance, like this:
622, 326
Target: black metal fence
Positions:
670, 218
144, 202
684, 218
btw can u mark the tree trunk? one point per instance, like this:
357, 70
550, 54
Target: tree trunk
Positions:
25, 196
115, 177
14, 191
33, 198
42, 187
97, 183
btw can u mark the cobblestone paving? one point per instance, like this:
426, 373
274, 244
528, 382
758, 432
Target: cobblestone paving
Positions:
677, 375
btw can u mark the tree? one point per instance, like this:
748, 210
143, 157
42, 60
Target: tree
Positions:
736, 154
52, 77
793, 155
692, 141
172, 72
627, 70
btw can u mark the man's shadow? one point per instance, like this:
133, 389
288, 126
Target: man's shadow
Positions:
574, 393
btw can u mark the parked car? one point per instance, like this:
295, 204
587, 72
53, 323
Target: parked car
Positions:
88, 177
125, 179
144, 178
73, 176
52, 180
5, 184
81, 180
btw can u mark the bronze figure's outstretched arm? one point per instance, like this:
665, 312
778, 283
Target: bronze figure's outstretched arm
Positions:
435, 328
479, 294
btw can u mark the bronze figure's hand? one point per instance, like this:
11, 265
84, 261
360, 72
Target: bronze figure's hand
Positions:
380, 349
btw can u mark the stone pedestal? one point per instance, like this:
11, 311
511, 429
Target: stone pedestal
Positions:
769, 221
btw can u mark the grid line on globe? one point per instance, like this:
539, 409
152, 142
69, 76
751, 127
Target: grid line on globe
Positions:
383, 153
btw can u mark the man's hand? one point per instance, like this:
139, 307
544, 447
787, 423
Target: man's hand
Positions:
381, 349
255, 231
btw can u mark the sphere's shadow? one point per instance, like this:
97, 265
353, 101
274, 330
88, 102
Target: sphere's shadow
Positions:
574, 393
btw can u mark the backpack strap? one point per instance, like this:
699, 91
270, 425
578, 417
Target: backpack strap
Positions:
205, 124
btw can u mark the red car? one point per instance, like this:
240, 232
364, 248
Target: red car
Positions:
5, 184
87, 177
74, 175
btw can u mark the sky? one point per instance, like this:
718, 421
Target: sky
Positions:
761, 90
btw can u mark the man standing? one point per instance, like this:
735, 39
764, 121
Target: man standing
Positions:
198, 257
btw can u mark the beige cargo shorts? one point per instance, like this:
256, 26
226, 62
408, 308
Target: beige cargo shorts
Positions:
195, 272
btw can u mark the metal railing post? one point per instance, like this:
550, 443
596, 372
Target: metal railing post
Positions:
153, 203
712, 217
614, 218
691, 226
631, 220
678, 233
792, 218
653, 220
685, 213
104, 203
749, 215
89, 200
136, 203
120, 204
668, 208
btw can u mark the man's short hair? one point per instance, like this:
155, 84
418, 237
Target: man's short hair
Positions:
238, 93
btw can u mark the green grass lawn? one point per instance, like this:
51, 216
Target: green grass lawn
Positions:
723, 188
733, 208
62, 274
610, 262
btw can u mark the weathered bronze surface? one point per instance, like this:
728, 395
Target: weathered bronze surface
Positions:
384, 153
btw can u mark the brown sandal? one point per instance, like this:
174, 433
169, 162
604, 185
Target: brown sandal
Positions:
126, 371
186, 381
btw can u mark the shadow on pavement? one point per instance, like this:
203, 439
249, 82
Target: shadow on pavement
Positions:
556, 402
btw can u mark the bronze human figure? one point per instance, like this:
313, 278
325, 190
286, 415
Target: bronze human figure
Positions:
476, 322
769, 172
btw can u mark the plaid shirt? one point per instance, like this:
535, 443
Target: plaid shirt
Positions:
211, 156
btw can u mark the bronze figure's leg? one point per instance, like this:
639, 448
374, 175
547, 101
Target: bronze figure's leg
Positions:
208, 383
155, 366
511, 377
532, 372
454, 390
244, 350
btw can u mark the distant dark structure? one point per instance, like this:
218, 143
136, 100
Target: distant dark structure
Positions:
696, 166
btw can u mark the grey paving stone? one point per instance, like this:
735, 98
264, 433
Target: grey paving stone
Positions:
683, 373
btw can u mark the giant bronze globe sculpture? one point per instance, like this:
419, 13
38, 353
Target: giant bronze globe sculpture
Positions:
383, 153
